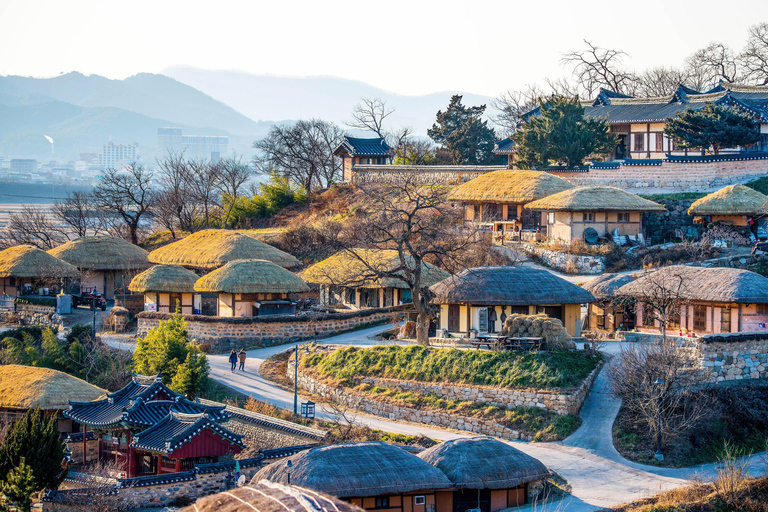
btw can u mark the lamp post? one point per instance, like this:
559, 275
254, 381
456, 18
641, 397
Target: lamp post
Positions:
659, 456
288, 466
296, 379
93, 307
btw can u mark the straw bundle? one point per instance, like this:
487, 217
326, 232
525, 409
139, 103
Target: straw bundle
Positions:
251, 276
26, 261
24, 387
357, 470
483, 463
213, 248
102, 253
551, 330
361, 268
164, 279
731, 200
267, 496
595, 198
605, 286
509, 187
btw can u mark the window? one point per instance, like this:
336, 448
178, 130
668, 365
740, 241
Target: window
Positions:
699, 318
659, 141
762, 309
725, 319
589, 217
382, 502
639, 142
673, 319
624, 217
419, 500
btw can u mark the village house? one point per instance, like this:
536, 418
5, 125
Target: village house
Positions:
594, 212
494, 201
354, 151
166, 287
711, 299
106, 263
608, 314
481, 298
734, 205
352, 278
27, 270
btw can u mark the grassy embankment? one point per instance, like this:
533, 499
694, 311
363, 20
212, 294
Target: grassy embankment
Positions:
726, 494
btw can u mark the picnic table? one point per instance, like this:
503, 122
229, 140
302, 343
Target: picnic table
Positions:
524, 343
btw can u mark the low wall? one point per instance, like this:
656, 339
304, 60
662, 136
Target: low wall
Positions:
569, 263
226, 333
398, 174
36, 308
76, 450
31, 318
737, 356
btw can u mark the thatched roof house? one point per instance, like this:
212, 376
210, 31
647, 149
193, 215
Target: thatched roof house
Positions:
605, 285
353, 277
164, 278
467, 297
730, 203
102, 253
484, 463
357, 470
213, 248
606, 314
26, 265
266, 496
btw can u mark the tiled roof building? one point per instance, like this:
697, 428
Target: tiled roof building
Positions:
354, 150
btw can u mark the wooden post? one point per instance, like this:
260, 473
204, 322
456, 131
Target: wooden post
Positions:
159, 463
178, 465
85, 444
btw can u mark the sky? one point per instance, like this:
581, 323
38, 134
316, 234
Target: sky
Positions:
408, 47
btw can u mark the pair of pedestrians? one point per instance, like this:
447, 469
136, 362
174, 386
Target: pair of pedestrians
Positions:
234, 357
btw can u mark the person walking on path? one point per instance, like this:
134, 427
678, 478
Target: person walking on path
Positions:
241, 356
233, 360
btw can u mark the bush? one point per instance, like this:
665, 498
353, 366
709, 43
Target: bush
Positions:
36, 301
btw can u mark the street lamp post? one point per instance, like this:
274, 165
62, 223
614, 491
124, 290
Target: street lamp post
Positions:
659, 455
288, 466
295, 386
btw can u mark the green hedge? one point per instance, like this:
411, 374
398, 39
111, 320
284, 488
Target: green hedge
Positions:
36, 301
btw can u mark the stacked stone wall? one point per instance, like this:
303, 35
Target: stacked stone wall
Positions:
50, 319
734, 361
564, 262
76, 450
264, 438
398, 174
662, 225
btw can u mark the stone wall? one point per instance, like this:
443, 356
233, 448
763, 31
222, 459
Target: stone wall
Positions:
569, 263
662, 225
394, 174
36, 308
76, 450
734, 360
263, 438
31, 318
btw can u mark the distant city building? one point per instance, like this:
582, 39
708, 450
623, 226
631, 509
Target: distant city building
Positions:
23, 166
89, 158
208, 147
113, 154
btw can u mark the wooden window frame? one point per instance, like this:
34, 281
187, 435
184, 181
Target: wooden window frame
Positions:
622, 217
638, 137
588, 217
659, 142
699, 318
761, 309
725, 319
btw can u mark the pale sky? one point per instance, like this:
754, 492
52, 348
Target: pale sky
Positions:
407, 47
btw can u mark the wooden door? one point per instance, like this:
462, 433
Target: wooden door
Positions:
454, 320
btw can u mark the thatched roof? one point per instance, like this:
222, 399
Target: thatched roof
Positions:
508, 286
164, 278
731, 200
510, 187
266, 496
213, 248
357, 470
102, 253
605, 286
595, 198
359, 268
251, 276
26, 261
24, 387
714, 284
483, 463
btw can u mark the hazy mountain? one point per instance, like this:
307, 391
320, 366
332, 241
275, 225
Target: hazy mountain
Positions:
263, 97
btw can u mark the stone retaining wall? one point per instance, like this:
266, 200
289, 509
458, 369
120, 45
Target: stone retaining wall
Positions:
36, 308
569, 263
397, 174
734, 361
51, 320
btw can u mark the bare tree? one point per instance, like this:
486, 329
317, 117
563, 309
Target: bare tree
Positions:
79, 212
661, 81
512, 105
754, 57
596, 68
202, 179
31, 226
369, 115
233, 174
715, 62
175, 206
128, 195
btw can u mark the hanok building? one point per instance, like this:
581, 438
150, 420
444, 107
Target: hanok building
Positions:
166, 287
147, 429
481, 298
734, 205
354, 151
27, 270
353, 278
708, 299
495, 200
593, 212
106, 263
610, 313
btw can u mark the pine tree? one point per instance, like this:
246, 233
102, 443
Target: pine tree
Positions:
463, 132
712, 126
163, 349
191, 377
19, 486
37, 441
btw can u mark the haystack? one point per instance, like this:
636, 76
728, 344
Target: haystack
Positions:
25, 261
164, 279
551, 330
509, 187
213, 248
24, 387
251, 276
731, 200
102, 253
594, 198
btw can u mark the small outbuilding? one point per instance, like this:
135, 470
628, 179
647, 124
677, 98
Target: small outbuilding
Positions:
167, 286
213, 248
593, 212
481, 298
366, 151
734, 205
350, 278
252, 288
106, 263
609, 314
708, 299
27, 270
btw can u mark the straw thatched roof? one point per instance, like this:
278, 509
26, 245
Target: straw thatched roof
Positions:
213, 248
483, 463
251, 276
595, 198
24, 387
508, 286
31, 262
715, 284
164, 278
510, 187
731, 200
102, 253
357, 470
605, 286
267, 496
359, 268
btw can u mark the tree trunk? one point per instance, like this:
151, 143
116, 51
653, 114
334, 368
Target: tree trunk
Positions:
422, 329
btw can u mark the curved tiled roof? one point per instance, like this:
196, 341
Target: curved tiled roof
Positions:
364, 147
177, 429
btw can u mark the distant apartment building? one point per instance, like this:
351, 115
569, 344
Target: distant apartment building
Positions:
208, 147
113, 154
23, 166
